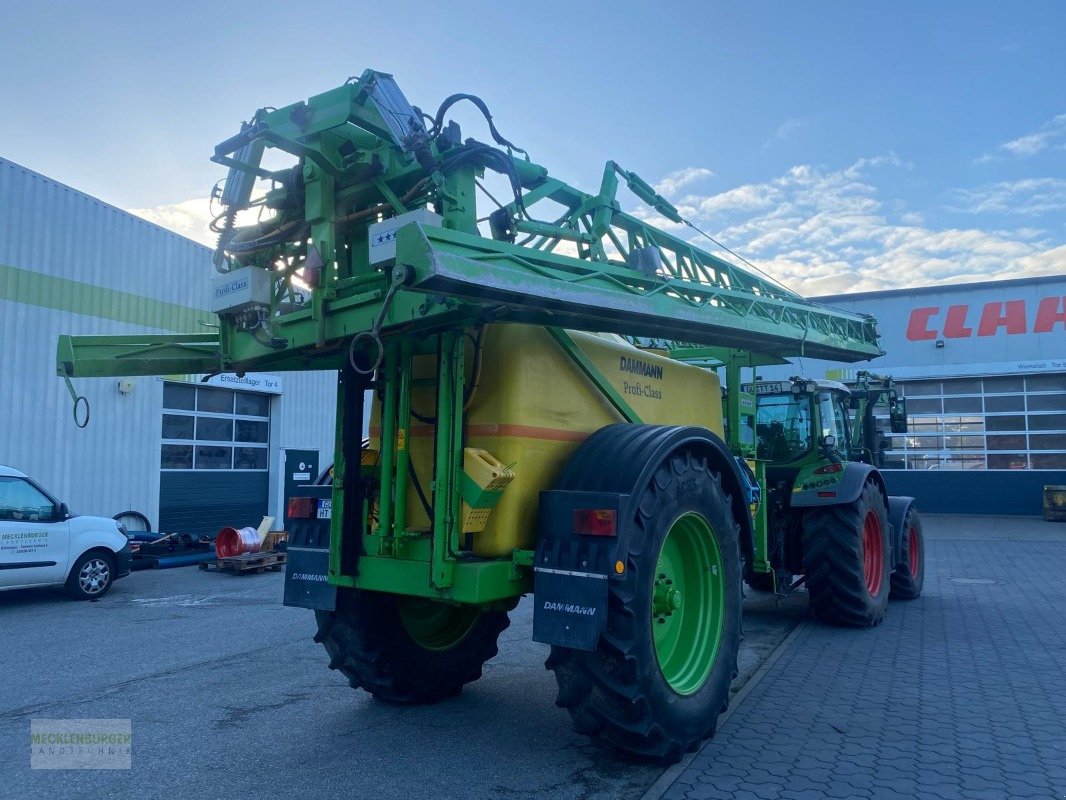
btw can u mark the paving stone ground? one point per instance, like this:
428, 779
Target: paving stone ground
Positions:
959, 694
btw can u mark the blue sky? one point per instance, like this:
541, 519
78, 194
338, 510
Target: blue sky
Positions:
839, 145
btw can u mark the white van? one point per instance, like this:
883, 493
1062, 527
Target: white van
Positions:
43, 544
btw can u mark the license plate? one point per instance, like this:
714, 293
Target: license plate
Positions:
763, 388
325, 509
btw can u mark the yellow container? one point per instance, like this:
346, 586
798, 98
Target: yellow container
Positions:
490, 476
533, 407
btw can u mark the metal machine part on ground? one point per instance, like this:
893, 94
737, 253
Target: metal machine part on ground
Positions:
517, 443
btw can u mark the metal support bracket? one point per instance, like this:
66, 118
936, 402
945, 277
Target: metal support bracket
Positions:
593, 374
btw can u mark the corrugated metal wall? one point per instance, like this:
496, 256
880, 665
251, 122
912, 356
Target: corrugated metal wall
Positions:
110, 466
49, 229
70, 263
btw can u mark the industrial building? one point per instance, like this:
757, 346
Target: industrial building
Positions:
190, 455
983, 369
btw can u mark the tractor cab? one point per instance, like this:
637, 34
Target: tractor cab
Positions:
799, 421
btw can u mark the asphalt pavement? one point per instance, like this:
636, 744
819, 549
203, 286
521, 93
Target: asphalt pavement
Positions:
229, 697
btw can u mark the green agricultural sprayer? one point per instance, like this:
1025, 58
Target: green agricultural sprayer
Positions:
547, 416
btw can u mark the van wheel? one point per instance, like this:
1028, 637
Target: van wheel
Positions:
91, 576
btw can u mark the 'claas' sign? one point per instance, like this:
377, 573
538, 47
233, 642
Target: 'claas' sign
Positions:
1010, 316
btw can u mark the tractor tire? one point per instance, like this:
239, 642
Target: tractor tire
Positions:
407, 650
909, 574
660, 674
846, 558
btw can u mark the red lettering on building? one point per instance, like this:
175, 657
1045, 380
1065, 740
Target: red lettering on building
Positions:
955, 323
1000, 316
1050, 311
918, 325
1009, 315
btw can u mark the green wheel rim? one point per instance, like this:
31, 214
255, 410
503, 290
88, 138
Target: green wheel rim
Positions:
687, 612
437, 626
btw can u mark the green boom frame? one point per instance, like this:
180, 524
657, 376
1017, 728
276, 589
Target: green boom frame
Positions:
363, 155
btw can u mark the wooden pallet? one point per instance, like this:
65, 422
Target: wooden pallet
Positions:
248, 563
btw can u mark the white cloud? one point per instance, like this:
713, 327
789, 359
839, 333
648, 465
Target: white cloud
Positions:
1026, 145
189, 218
1028, 196
824, 231
674, 181
1051, 134
785, 130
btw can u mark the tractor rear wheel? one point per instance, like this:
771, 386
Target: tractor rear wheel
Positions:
846, 558
408, 649
909, 574
660, 674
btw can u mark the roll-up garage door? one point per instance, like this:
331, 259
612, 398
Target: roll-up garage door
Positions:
215, 465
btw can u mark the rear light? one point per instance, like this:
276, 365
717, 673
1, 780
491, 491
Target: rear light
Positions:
827, 494
301, 508
828, 468
596, 521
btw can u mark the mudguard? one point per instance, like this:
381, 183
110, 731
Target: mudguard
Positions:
609, 471
834, 488
898, 507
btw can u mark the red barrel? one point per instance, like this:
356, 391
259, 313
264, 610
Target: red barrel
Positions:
232, 542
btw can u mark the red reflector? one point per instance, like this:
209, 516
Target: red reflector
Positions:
596, 521
301, 508
827, 494
828, 468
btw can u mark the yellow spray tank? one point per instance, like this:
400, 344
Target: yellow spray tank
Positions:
531, 406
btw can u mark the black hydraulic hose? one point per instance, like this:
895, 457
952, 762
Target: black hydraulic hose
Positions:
418, 488
484, 155
279, 236
438, 120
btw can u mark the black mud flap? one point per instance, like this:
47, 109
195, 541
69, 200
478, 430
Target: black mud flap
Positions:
570, 608
571, 570
307, 569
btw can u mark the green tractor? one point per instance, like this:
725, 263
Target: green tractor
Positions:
831, 523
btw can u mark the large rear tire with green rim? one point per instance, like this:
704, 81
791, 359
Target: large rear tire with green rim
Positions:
846, 559
660, 674
408, 649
